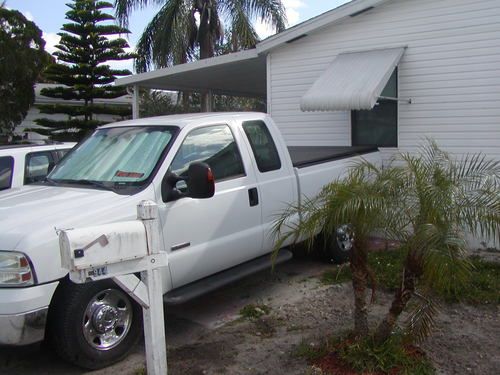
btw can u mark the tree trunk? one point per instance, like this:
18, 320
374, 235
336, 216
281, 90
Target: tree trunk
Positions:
401, 299
206, 51
359, 258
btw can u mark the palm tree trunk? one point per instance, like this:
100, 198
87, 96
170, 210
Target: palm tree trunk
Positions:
401, 299
359, 258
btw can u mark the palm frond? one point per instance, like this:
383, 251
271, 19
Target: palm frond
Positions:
161, 48
123, 8
421, 320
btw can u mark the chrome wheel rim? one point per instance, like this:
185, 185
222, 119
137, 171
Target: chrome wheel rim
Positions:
345, 237
107, 319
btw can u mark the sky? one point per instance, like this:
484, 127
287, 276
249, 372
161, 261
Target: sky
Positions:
49, 16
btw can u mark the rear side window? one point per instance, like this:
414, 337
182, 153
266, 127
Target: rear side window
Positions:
6, 168
38, 165
263, 147
214, 145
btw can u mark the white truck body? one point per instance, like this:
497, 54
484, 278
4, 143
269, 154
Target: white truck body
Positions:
201, 236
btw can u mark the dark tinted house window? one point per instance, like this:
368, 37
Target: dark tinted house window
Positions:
379, 126
263, 147
6, 168
214, 145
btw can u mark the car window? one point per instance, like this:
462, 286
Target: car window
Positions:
38, 165
214, 145
263, 147
6, 168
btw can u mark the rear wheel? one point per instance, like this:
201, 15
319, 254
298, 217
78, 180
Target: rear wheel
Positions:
94, 325
337, 248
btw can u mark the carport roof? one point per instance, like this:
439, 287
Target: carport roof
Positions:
241, 73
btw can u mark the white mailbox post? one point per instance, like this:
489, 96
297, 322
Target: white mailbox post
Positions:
118, 251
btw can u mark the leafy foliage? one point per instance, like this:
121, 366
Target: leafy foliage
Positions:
390, 357
254, 311
196, 28
427, 202
22, 58
87, 43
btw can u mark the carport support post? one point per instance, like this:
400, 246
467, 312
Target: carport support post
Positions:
154, 323
135, 102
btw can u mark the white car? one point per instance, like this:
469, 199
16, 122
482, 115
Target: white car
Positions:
25, 164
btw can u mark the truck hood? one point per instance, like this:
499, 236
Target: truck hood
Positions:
30, 216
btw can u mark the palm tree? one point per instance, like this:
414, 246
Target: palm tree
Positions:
181, 27
427, 202
442, 199
362, 199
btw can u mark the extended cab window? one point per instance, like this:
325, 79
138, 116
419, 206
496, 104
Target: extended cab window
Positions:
214, 145
38, 165
263, 147
6, 168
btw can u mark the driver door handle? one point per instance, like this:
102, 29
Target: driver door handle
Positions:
253, 197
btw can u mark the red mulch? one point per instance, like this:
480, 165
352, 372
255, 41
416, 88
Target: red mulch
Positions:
332, 364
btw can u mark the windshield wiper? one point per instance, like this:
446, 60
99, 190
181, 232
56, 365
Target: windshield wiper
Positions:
97, 184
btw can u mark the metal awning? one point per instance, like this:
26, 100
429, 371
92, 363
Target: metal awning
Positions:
353, 81
240, 74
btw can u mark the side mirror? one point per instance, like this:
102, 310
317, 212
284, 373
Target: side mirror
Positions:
199, 180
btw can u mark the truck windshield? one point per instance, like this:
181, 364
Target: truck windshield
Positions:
115, 157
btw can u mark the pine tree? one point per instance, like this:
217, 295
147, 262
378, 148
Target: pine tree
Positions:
86, 44
22, 58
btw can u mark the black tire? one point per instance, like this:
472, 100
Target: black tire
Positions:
70, 326
330, 250
334, 254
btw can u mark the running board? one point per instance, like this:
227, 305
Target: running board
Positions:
211, 283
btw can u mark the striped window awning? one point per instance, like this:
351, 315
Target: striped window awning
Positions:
353, 81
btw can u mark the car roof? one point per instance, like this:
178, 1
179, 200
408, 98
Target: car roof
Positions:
188, 119
6, 150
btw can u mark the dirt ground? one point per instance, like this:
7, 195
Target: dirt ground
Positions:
207, 336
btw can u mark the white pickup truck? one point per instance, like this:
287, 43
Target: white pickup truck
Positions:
209, 242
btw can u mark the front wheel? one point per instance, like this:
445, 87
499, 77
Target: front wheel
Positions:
94, 325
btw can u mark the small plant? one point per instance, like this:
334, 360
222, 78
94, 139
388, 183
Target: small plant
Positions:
393, 356
311, 351
253, 311
343, 354
336, 275
483, 287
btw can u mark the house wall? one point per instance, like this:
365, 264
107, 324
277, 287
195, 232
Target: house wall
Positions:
451, 70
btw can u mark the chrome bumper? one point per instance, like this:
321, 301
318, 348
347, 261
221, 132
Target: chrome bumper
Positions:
23, 329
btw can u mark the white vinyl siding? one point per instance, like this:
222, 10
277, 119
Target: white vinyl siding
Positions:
451, 70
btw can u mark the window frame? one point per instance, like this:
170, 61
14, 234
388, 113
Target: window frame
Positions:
272, 143
353, 119
12, 163
236, 176
29, 156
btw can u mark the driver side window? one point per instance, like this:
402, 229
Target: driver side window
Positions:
214, 145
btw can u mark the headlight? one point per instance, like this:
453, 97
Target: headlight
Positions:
15, 270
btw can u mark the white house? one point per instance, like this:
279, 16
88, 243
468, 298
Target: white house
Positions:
34, 112
389, 72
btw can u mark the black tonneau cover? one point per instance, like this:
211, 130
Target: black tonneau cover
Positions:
303, 156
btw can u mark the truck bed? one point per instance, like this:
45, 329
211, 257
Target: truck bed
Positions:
303, 156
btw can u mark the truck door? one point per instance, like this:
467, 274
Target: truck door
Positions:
206, 236
275, 176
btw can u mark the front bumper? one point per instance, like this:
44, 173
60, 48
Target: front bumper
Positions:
23, 313
23, 329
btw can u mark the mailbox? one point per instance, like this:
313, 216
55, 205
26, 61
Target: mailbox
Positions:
120, 251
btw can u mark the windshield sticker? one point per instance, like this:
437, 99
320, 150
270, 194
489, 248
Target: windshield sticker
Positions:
129, 174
